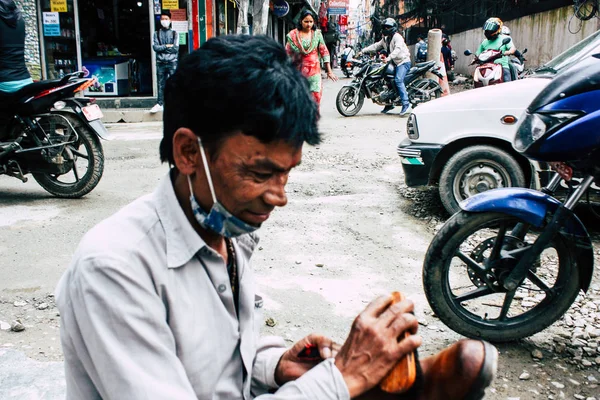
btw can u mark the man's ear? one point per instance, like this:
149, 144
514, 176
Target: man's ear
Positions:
186, 152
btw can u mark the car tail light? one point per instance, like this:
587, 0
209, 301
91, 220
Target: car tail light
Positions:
411, 127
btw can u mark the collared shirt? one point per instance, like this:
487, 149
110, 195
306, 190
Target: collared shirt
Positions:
147, 312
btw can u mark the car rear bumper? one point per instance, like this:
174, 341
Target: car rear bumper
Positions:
417, 160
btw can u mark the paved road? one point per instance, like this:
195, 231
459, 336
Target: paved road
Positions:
343, 239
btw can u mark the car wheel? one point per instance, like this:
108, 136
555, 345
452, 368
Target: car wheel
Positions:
474, 170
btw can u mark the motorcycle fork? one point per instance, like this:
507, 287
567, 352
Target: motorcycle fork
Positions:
521, 229
519, 273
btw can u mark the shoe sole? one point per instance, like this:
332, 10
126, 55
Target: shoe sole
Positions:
486, 374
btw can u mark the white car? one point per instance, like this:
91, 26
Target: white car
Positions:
463, 142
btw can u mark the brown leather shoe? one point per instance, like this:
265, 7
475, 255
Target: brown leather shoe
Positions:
459, 372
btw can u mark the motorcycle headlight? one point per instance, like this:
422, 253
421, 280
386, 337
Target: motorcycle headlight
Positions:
535, 125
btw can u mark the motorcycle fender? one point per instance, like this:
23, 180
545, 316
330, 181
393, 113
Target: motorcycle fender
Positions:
532, 206
96, 126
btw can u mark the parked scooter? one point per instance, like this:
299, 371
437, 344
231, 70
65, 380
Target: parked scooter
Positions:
513, 260
487, 72
375, 80
46, 131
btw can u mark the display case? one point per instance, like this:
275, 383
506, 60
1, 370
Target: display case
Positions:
111, 74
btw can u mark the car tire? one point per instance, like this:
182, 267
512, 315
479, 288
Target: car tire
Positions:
476, 169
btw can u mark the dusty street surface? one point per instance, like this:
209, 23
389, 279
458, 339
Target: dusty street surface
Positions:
350, 232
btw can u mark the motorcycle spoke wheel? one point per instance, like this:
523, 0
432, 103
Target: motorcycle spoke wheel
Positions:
464, 279
84, 160
349, 102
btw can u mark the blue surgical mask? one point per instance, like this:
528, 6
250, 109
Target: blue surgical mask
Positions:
218, 219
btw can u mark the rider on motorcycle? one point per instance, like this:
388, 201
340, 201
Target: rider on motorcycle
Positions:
399, 54
493, 41
506, 32
13, 72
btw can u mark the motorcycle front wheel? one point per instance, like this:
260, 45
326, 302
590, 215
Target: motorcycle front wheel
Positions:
85, 156
348, 103
464, 271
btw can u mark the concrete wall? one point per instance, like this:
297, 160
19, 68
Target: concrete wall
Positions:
545, 35
32, 40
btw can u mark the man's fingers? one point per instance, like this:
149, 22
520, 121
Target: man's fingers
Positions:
409, 344
404, 323
377, 306
389, 315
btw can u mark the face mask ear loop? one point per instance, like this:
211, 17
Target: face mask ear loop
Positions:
190, 185
207, 170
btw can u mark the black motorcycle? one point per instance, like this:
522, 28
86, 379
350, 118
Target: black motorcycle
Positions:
46, 131
375, 80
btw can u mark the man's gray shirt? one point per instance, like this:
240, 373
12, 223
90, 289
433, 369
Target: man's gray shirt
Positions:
164, 54
147, 312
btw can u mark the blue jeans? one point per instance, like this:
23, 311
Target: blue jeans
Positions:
506, 76
164, 72
401, 71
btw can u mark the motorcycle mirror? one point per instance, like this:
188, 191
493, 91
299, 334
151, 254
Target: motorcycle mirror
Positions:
468, 52
506, 40
524, 51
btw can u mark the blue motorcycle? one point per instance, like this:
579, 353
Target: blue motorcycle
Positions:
513, 260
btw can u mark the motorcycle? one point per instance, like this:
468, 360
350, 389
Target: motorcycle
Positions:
513, 260
375, 80
47, 132
487, 72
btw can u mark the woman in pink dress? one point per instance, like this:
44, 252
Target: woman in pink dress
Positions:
306, 47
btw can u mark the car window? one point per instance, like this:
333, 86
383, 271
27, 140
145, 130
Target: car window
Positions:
587, 46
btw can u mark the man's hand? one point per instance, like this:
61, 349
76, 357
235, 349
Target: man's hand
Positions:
169, 45
372, 348
291, 367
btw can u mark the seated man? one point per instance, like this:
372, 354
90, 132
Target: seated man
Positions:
159, 301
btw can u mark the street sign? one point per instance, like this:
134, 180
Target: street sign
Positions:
336, 11
281, 8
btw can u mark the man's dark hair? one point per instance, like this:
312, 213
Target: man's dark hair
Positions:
421, 36
165, 12
239, 83
304, 14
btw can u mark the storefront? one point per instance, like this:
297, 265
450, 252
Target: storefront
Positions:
108, 39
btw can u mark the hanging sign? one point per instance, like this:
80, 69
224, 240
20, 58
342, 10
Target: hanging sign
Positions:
179, 26
170, 4
179, 15
51, 24
58, 6
281, 8
156, 7
182, 38
338, 7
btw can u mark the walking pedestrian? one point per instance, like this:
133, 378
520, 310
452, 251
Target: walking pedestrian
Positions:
166, 46
306, 46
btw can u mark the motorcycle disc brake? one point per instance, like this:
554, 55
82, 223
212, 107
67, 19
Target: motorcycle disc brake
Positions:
478, 255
